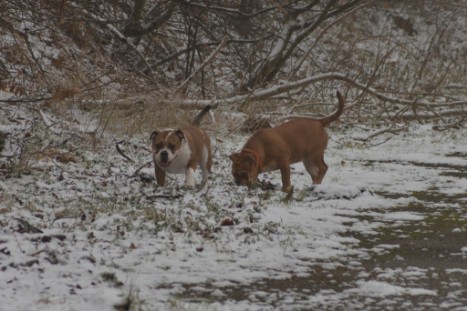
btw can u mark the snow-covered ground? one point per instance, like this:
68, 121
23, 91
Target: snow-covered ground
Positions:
386, 229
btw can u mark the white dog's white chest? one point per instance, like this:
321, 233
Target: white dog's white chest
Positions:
179, 164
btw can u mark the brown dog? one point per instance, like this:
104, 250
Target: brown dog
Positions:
298, 140
181, 150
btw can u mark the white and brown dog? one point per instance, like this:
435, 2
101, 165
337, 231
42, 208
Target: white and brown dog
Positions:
301, 139
180, 151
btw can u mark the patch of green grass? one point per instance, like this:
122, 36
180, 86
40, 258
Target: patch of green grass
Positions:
302, 194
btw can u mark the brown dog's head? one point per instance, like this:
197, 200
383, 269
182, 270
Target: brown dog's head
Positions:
166, 146
246, 167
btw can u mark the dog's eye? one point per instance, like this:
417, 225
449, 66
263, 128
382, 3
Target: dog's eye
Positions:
158, 146
171, 146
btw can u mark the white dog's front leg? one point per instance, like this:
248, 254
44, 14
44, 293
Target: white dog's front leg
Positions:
190, 180
205, 176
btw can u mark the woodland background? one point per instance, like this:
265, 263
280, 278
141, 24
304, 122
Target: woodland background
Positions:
83, 228
137, 61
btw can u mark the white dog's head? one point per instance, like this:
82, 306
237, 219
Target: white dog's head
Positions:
166, 146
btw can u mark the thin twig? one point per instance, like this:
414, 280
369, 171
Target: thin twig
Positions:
163, 196
117, 145
25, 100
140, 168
17, 242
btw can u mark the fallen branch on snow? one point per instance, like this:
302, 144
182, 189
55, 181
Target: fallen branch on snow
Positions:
390, 130
284, 88
120, 151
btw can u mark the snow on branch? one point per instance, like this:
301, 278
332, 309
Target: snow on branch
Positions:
287, 87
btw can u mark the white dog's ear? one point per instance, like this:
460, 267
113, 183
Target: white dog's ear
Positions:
180, 134
153, 134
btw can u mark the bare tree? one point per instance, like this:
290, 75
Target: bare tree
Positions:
299, 21
394, 60
140, 24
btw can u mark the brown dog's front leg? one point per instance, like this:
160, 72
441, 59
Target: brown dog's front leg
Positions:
285, 172
160, 175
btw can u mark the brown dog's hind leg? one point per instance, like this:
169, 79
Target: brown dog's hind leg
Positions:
317, 169
322, 169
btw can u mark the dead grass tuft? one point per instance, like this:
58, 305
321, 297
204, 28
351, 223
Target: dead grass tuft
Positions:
142, 117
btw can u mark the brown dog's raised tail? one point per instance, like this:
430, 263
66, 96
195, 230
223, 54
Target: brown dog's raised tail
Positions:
197, 120
333, 117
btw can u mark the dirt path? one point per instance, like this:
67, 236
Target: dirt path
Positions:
424, 261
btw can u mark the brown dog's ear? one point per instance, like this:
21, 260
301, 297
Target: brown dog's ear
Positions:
233, 157
250, 158
153, 134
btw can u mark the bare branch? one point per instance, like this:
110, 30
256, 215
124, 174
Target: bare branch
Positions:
176, 54
206, 61
120, 151
290, 36
230, 11
390, 130
137, 29
118, 34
